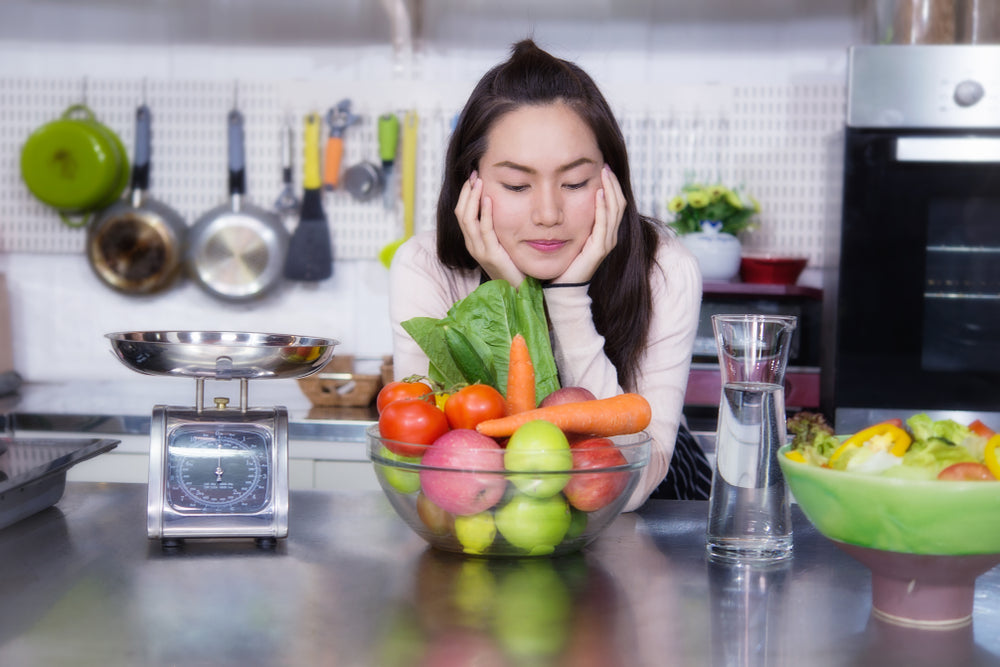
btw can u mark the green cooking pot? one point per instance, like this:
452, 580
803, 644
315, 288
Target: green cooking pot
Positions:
75, 164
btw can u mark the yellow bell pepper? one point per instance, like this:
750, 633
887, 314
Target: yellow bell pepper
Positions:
990, 455
901, 440
795, 455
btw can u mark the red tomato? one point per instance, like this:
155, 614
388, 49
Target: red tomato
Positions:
979, 428
473, 404
967, 471
410, 423
394, 391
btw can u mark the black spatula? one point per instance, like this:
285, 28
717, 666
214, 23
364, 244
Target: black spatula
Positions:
310, 251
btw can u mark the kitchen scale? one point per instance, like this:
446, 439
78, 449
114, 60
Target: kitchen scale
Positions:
219, 471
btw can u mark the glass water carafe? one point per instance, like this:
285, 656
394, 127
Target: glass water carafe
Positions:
749, 516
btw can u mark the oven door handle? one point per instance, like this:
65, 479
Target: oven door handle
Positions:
947, 149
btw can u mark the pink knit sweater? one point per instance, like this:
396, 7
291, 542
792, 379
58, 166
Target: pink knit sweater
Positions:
421, 286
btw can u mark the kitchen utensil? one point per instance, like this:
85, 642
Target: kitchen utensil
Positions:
338, 118
364, 181
33, 472
75, 164
287, 202
749, 516
222, 470
408, 185
388, 140
515, 525
310, 253
771, 269
236, 250
136, 244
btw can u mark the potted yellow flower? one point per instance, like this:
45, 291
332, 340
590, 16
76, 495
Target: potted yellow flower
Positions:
708, 218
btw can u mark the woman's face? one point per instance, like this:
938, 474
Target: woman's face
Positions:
542, 171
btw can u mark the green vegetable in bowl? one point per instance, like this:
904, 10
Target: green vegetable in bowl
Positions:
812, 437
922, 448
472, 344
926, 430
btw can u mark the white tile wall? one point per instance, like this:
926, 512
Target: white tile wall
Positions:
60, 311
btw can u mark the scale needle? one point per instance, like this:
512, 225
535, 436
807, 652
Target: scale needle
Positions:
218, 468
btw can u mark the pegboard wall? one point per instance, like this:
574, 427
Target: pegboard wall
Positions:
782, 143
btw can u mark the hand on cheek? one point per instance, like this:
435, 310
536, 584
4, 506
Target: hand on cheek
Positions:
609, 208
475, 217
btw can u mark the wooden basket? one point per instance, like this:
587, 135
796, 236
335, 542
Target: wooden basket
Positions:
337, 385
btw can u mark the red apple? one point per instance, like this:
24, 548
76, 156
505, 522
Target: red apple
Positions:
567, 395
436, 519
460, 647
458, 488
592, 491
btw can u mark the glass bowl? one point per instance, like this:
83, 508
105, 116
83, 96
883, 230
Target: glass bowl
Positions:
925, 541
474, 505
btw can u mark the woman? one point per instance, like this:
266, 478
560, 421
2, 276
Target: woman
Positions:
536, 183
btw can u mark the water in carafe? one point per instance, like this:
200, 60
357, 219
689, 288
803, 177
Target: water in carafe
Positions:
749, 517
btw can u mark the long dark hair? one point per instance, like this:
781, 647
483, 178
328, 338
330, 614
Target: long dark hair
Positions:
619, 290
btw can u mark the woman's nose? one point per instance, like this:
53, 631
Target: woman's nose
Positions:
548, 209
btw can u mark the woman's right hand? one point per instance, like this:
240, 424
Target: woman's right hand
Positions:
475, 217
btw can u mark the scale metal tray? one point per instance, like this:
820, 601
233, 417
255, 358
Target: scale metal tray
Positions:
221, 355
33, 472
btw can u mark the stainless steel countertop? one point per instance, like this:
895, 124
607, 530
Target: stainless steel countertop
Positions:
353, 586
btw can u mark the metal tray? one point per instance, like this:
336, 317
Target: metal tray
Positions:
33, 472
221, 355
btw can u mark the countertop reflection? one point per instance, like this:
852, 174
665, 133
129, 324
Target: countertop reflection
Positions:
352, 585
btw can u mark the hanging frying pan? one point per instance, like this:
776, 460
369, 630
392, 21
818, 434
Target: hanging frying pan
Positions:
236, 251
136, 244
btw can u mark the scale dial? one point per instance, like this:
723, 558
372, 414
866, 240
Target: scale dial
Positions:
219, 469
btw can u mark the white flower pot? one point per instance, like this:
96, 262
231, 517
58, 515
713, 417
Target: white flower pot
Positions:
718, 253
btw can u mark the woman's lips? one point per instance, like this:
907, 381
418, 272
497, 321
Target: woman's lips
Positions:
544, 245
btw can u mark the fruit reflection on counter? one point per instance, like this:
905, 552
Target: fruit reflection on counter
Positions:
464, 611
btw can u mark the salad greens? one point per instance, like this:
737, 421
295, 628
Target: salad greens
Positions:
488, 319
919, 449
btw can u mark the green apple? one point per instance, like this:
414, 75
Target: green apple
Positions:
534, 612
540, 447
577, 523
404, 481
536, 525
475, 532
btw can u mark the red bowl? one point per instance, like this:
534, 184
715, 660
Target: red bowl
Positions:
772, 270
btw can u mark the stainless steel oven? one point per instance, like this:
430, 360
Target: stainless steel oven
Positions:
918, 295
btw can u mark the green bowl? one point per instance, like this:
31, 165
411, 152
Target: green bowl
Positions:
907, 516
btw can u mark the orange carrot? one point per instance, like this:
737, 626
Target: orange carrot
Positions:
520, 378
618, 415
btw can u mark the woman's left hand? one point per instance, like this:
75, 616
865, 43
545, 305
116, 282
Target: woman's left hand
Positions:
610, 207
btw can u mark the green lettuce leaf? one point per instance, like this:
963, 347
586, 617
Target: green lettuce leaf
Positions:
490, 317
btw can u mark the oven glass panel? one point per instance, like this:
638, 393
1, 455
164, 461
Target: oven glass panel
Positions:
961, 324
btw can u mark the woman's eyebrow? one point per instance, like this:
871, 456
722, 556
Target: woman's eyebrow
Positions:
528, 170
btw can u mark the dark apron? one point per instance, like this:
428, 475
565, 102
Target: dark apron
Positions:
689, 476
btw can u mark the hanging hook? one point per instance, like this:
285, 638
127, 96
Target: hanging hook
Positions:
236, 93
83, 92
